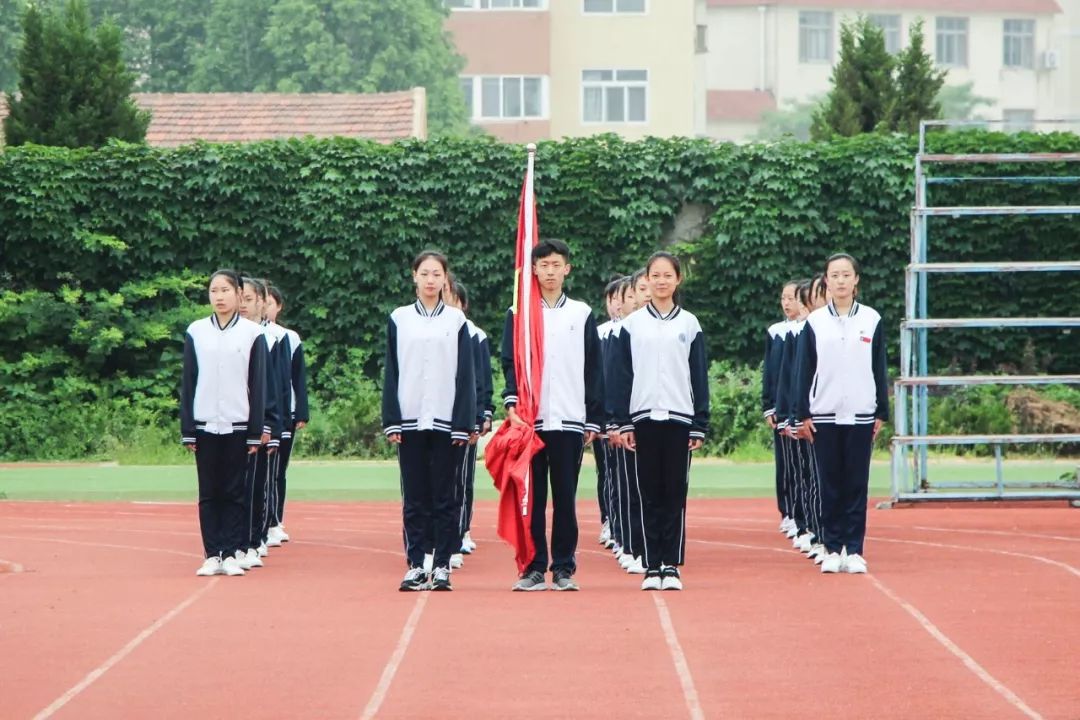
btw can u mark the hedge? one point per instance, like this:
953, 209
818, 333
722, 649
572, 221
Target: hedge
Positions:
104, 252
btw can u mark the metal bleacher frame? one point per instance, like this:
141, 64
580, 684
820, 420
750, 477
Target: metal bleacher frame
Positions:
910, 475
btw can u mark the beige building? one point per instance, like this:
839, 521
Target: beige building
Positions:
540, 69
1024, 55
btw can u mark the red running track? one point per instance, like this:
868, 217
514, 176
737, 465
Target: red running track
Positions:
968, 612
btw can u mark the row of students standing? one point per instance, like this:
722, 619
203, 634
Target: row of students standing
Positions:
435, 406
657, 403
824, 393
243, 395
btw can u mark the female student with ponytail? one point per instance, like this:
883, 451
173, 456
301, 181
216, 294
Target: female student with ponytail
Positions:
429, 411
222, 409
842, 400
661, 406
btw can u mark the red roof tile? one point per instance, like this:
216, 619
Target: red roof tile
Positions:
1027, 7
739, 105
180, 118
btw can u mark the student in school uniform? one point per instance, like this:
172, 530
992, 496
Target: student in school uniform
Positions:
615, 466
429, 411
775, 336
842, 400
797, 478
457, 296
571, 414
222, 409
811, 297
252, 304
297, 417
613, 305
662, 407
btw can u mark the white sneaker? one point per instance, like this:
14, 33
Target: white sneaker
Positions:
468, 542
242, 560
429, 563
792, 531
605, 534
231, 566
831, 563
210, 566
805, 542
253, 560
784, 524
816, 551
669, 578
635, 567
273, 537
855, 564
282, 535
457, 560
626, 560
652, 581
263, 551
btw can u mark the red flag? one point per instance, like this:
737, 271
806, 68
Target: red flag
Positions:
508, 456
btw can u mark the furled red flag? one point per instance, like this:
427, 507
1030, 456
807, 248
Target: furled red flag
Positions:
508, 456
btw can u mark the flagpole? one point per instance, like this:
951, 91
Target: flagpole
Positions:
526, 287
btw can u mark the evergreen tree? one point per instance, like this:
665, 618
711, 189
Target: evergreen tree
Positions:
918, 84
862, 85
74, 88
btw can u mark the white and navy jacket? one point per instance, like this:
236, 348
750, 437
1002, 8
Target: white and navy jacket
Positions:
770, 372
277, 382
223, 388
786, 375
572, 382
298, 400
659, 371
605, 332
429, 381
484, 382
841, 374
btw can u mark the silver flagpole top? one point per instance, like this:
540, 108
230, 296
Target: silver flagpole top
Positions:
531, 147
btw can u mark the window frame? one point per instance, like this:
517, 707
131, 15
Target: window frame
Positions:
614, 83
830, 31
615, 9
875, 18
477, 6
1019, 42
476, 102
954, 35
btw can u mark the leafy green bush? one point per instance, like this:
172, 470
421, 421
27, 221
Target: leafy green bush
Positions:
735, 407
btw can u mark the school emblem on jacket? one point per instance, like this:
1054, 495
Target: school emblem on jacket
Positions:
682, 338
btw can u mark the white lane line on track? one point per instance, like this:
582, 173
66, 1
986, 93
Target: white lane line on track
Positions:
968, 661
379, 695
134, 643
682, 667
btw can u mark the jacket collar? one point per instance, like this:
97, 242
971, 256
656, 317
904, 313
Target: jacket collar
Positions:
659, 315
558, 303
232, 321
423, 311
850, 313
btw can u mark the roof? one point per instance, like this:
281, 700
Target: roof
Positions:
738, 105
1027, 7
180, 118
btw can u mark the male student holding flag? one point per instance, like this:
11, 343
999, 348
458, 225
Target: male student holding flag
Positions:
554, 402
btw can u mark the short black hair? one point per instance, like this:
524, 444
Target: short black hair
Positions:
612, 288
231, 276
547, 248
462, 294
433, 254
257, 285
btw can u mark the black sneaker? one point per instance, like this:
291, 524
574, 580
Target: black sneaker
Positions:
440, 579
415, 579
562, 580
531, 582
670, 579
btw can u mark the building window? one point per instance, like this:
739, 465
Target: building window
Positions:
1017, 120
496, 4
511, 97
614, 6
701, 39
952, 41
614, 96
1020, 44
890, 26
815, 37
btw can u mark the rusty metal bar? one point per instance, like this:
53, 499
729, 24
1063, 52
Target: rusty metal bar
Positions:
948, 380
1062, 322
975, 267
